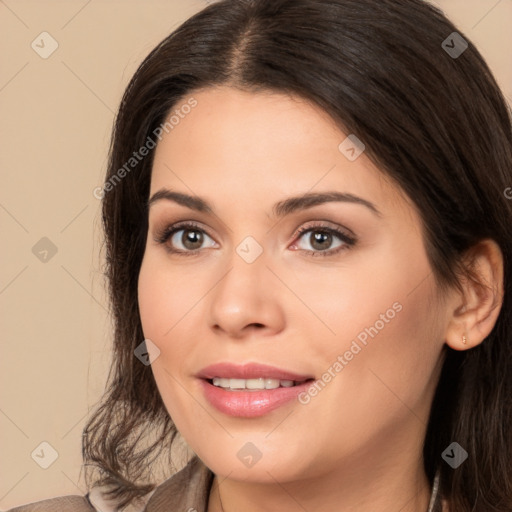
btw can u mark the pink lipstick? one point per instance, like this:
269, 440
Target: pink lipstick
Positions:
250, 390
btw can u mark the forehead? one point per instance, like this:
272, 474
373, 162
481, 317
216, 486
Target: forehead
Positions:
256, 145
264, 124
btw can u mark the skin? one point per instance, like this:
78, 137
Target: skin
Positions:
359, 441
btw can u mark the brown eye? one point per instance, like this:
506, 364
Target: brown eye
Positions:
184, 239
191, 239
320, 240
323, 240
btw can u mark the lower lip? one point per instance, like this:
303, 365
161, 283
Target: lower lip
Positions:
250, 404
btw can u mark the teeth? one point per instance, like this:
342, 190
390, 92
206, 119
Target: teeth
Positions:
236, 383
260, 383
256, 384
272, 383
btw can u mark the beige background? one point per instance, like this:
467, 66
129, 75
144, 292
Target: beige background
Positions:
54, 128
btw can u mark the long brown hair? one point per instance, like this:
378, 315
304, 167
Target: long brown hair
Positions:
434, 121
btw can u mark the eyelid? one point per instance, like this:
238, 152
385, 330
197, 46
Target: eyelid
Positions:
161, 235
327, 225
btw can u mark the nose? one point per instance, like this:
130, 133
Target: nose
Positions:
247, 298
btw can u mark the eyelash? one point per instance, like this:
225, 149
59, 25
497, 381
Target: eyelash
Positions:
348, 241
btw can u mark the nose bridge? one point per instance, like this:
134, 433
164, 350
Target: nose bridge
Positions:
250, 250
243, 285
246, 295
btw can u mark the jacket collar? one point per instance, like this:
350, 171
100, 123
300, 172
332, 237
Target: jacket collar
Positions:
187, 489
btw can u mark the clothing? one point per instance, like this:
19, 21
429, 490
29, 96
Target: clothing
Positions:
186, 490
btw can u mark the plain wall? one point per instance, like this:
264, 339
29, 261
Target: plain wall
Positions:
56, 117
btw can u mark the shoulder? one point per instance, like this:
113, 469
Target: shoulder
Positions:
187, 489
61, 504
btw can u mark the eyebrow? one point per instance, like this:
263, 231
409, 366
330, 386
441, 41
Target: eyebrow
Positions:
280, 209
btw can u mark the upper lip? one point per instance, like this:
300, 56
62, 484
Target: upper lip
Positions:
249, 371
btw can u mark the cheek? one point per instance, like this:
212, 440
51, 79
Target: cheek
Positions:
364, 299
169, 301
165, 295
152, 301
390, 360
382, 387
161, 309
383, 324
162, 302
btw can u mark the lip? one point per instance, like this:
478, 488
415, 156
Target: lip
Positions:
249, 371
250, 404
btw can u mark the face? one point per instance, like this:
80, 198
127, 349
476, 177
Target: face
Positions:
331, 291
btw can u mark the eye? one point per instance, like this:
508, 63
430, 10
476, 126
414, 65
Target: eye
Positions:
185, 238
188, 238
324, 240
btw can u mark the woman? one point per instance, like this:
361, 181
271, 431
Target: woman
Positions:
307, 215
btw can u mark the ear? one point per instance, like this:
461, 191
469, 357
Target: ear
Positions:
475, 311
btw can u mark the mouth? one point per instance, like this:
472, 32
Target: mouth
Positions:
254, 384
251, 390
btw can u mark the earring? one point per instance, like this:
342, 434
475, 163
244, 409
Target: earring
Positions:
464, 339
